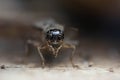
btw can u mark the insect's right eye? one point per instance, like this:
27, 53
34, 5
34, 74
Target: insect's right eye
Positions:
48, 37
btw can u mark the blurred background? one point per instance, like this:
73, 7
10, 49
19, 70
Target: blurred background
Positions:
93, 18
98, 22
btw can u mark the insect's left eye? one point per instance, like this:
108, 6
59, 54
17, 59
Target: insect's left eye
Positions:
60, 37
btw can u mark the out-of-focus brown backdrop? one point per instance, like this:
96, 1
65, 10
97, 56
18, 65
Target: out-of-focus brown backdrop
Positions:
92, 17
97, 21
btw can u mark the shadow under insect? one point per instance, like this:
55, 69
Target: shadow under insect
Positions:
62, 58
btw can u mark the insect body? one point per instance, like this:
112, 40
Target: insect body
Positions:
54, 40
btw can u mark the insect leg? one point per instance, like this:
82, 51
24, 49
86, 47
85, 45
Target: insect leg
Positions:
37, 45
72, 55
41, 55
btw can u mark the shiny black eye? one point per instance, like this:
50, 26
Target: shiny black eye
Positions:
54, 35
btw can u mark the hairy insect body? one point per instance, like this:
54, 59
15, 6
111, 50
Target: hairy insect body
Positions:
54, 38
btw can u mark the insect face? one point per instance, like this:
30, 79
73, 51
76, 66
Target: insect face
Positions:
55, 36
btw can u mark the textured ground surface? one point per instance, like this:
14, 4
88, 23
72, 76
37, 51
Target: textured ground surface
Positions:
58, 74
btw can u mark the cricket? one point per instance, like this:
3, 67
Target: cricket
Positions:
53, 40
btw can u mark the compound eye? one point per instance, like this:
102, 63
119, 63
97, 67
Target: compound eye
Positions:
49, 37
61, 37
54, 35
